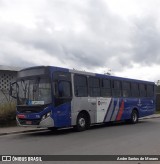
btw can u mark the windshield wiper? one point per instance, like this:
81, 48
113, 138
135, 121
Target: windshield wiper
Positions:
35, 88
36, 85
24, 87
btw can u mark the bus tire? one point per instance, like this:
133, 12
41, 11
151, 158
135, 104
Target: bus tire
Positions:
134, 117
83, 122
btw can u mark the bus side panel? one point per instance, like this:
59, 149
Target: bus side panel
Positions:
112, 109
87, 104
62, 115
120, 109
129, 105
116, 110
151, 106
146, 106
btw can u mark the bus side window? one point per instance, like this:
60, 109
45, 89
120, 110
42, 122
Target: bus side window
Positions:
150, 90
116, 88
80, 86
64, 89
126, 91
94, 87
106, 88
135, 89
142, 88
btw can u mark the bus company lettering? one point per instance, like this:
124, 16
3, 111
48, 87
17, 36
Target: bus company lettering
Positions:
102, 102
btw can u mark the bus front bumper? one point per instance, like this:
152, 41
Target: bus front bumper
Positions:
48, 122
45, 123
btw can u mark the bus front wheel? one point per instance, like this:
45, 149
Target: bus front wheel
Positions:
82, 122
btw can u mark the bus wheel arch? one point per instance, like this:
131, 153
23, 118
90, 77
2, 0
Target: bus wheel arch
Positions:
134, 116
83, 121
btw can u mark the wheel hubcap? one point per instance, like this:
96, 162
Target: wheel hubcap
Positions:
134, 117
82, 122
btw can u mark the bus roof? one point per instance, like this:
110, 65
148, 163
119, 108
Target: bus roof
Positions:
54, 68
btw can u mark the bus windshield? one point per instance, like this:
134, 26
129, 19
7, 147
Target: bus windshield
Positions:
35, 91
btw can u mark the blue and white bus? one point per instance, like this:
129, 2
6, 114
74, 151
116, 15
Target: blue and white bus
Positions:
55, 97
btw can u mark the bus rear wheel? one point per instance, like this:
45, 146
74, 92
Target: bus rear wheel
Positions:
82, 122
134, 117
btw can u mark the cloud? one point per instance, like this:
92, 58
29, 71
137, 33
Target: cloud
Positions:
94, 43
146, 41
86, 35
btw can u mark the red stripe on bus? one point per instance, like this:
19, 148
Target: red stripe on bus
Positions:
120, 111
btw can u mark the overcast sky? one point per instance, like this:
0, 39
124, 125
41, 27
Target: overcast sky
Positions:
91, 35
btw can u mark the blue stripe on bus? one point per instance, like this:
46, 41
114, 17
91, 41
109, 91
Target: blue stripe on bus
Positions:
109, 112
116, 110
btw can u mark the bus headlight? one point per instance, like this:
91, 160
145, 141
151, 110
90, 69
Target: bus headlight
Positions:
46, 115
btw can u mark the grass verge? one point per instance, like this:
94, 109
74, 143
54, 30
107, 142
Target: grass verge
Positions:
7, 113
157, 112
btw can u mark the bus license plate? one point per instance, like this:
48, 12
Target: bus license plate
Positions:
29, 122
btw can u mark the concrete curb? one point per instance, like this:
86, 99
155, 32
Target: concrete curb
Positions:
23, 131
149, 117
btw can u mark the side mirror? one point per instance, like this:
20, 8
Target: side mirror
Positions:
13, 90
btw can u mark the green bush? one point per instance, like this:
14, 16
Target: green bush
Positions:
7, 111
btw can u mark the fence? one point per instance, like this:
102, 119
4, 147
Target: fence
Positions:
158, 101
7, 103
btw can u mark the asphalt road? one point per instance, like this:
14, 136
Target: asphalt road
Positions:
118, 139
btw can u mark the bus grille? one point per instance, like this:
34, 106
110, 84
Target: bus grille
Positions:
30, 109
33, 122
